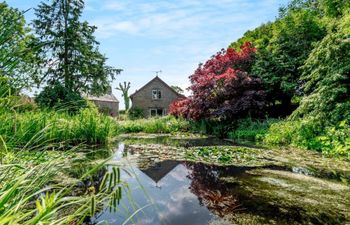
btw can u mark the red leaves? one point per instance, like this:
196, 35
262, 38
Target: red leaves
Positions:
222, 88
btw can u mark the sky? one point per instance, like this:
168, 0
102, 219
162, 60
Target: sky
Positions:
144, 36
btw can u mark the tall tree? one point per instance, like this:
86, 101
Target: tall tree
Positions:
124, 88
70, 50
222, 89
17, 56
326, 74
282, 47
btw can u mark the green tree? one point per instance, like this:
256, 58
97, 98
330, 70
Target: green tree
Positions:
18, 59
70, 50
335, 8
124, 88
326, 74
282, 47
177, 89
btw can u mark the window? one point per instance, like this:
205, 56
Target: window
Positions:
156, 94
156, 112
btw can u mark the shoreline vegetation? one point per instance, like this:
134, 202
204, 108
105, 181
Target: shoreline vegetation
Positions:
284, 85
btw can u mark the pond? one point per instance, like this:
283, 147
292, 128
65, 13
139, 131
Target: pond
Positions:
165, 188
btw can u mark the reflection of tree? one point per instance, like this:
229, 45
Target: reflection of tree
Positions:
211, 192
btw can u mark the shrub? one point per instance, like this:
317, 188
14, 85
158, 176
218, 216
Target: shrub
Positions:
251, 130
336, 140
300, 133
56, 96
135, 113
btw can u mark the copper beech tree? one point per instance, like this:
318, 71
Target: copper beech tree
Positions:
223, 89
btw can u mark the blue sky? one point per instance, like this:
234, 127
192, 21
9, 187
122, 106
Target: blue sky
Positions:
142, 36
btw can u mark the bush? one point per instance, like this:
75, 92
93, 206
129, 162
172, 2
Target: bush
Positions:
299, 133
135, 113
336, 141
57, 97
311, 134
212, 127
251, 130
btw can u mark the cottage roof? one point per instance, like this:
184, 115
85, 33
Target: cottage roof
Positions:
165, 84
103, 98
160, 170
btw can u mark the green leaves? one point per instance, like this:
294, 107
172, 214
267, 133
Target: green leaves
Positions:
326, 77
78, 65
18, 58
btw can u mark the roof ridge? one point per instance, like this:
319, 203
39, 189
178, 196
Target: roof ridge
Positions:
163, 82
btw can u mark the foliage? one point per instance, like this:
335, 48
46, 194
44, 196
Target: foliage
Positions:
135, 113
301, 134
335, 8
311, 134
125, 89
18, 60
326, 76
37, 188
177, 89
336, 140
249, 130
69, 49
222, 89
180, 108
277, 64
57, 97
50, 127
166, 124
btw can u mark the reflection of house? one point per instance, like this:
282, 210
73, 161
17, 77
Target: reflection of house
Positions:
154, 98
107, 103
159, 170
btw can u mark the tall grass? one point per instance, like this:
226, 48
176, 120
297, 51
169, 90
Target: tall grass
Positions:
33, 193
35, 127
167, 124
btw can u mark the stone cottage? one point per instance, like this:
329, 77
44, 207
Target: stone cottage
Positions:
154, 98
107, 104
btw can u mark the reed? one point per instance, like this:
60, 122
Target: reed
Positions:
33, 128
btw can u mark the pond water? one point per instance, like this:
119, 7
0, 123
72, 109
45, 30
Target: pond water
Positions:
164, 188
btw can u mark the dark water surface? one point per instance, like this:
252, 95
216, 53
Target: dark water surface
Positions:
177, 192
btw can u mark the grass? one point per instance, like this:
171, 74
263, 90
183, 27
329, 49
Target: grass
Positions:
167, 124
37, 127
40, 185
40, 190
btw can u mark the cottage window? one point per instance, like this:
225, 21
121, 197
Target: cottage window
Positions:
156, 94
156, 112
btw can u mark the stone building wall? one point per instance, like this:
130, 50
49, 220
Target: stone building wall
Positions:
108, 108
143, 98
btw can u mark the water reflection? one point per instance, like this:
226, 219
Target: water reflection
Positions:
169, 187
180, 192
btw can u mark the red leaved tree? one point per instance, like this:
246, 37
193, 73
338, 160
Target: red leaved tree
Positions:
223, 89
